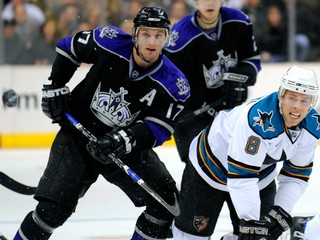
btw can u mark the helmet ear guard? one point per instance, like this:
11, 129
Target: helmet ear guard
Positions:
300, 80
153, 17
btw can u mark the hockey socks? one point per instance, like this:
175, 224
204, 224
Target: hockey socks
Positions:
136, 236
33, 228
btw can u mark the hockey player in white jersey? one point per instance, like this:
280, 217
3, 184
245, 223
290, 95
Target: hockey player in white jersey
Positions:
234, 160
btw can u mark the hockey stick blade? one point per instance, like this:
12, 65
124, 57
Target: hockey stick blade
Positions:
15, 186
174, 209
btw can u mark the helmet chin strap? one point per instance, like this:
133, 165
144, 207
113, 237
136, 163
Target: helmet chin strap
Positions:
138, 53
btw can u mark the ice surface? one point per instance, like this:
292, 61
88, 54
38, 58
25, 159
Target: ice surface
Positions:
105, 212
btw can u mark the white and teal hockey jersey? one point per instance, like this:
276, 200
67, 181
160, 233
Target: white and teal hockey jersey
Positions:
240, 150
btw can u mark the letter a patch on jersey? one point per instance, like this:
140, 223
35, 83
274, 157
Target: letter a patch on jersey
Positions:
317, 116
200, 223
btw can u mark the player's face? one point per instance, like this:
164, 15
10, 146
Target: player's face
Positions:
295, 106
150, 42
209, 9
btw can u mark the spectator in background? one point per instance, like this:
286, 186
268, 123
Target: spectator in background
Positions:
28, 32
68, 20
25, 28
53, 8
34, 13
94, 18
257, 14
133, 8
12, 42
273, 41
46, 44
308, 27
178, 10
126, 25
114, 12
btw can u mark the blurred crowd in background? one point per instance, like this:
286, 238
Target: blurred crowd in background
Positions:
31, 29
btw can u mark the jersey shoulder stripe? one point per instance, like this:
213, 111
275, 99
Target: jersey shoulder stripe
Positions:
312, 123
183, 32
233, 15
173, 80
105, 38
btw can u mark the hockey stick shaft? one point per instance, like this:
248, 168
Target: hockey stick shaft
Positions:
15, 186
174, 209
2, 237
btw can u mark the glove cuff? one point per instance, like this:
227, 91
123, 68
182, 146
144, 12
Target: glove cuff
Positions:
283, 218
122, 141
128, 139
235, 77
50, 91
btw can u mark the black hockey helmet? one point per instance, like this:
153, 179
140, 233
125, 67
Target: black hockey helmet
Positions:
154, 17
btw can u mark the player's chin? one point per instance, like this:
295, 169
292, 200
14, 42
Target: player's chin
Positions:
152, 58
294, 122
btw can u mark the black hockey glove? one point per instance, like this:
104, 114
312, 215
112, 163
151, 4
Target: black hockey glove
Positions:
118, 142
55, 102
270, 228
235, 89
254, 230
279, 221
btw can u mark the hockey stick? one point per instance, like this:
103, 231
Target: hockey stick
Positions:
174, 209
15, 186
2, 237
201, 110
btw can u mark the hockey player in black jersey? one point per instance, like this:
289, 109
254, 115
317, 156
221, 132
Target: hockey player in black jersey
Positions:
130, 100
216, 50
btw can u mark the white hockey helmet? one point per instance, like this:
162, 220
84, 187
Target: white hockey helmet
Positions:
300, 80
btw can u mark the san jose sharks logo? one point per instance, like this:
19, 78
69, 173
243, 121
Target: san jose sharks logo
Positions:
111, 108
213, 76
264, 121
317, 116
